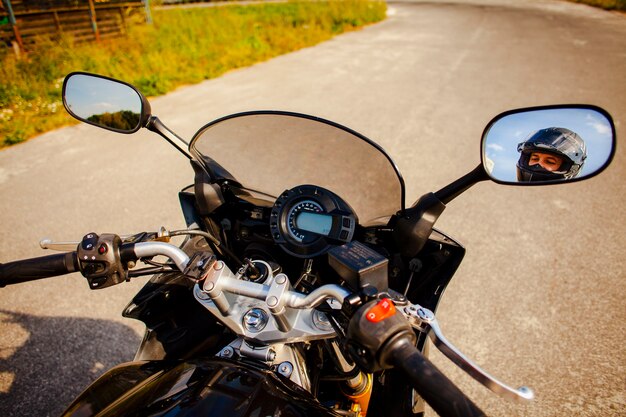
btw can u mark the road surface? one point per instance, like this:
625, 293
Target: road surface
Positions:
539, 299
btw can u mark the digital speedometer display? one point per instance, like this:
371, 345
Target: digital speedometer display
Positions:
295, 213
308, 220
314, 222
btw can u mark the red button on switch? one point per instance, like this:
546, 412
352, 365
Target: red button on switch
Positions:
383, 309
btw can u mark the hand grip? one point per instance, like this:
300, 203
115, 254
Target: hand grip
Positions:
37, 268
434, 387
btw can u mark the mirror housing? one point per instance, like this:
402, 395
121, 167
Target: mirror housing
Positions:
548, 145
105, 102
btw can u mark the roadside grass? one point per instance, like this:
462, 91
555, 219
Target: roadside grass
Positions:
183, 46
605, 4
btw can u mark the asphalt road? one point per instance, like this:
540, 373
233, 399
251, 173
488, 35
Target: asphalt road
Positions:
539, 299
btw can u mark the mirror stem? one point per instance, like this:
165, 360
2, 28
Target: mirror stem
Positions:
453, 190
155, 125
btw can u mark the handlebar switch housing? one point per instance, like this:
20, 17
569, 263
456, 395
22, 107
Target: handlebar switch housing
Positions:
373, 332
100, 261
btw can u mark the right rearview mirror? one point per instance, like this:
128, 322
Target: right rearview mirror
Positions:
545, 145
105, 102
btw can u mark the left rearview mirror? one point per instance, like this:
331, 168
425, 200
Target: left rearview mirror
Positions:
105, 102
545, 145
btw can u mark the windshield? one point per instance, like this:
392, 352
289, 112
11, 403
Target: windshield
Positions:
271, 152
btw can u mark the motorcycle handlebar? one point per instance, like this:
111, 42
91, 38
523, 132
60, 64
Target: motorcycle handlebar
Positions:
433, 386
38, 268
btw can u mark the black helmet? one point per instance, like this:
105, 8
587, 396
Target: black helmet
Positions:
556, 141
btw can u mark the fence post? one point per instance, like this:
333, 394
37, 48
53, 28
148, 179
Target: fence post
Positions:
146, 4
92, 16
16, 29
57, 22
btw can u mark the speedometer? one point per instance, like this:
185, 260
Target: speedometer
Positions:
307, 221
297, 217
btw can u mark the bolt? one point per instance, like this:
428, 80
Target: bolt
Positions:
255, 320
227, 352
424, 314
272, 301
285, 369
209, 286
281, 279
218, 265
200, 263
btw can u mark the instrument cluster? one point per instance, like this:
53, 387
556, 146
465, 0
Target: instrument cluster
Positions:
307, 221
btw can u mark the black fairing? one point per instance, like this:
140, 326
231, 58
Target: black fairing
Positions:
201, 387
440, 258
177, 327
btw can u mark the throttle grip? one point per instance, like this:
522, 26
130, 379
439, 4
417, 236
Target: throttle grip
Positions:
432, 385
379, 337
38, 268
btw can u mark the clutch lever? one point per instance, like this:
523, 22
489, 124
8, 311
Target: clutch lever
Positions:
424, 320
48, 243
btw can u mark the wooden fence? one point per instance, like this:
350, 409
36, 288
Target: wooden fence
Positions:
24, 23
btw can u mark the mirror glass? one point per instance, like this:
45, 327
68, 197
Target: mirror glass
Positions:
103, 102
548, 145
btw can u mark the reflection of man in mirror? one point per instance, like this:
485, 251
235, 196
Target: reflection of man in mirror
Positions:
554, 153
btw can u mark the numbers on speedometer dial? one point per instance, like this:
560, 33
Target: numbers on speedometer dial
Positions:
295, 224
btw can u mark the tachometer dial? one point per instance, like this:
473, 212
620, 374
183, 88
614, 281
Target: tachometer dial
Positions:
294, 220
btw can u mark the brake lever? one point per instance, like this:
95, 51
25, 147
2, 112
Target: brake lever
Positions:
424, 320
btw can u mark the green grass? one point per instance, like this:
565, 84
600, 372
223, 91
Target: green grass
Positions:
605, 4
183, 46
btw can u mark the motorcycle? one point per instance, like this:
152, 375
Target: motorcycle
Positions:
303, 284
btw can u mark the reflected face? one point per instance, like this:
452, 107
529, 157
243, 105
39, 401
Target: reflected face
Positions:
545, 160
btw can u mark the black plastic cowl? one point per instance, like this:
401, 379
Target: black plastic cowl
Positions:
412, 230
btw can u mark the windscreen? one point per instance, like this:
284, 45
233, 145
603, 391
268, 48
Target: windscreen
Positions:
271, 152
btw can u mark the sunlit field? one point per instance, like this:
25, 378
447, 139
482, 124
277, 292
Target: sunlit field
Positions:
183, 46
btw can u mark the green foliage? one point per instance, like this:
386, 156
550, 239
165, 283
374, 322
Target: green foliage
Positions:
16, 136
183, 46
605, 4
